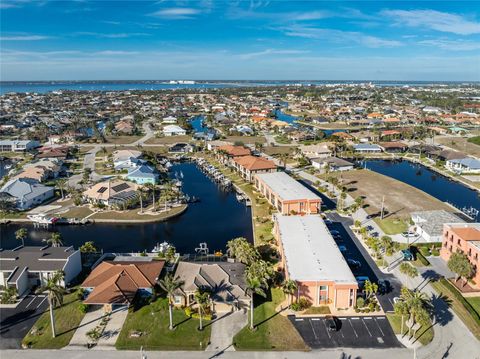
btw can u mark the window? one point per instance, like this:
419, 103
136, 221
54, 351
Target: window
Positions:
177, 299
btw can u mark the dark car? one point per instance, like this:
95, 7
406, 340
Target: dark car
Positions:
407, 255
354, 264
384, 286
331, 323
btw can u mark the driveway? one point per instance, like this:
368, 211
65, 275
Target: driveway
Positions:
224, 329
16, 322
353, 332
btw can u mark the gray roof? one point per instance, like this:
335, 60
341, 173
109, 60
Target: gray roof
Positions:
367, 147
469, 162
25, 188
333, 161
432, 222
286, 187
35, 258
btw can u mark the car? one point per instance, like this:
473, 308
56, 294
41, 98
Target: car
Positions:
342, 248
384, 286
407, 255
396, 300
331, 323
334, 232
337, 238
327, 221
361, 280
354, 264
409, 234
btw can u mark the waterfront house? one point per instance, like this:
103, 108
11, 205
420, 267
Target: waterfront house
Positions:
26, 193
18, 145
181, 148
128, 164
111, 192
120, 155
393, 147
226, 154
60, 153
142, 175
463, 165
333, 163
316, 151
114, 284
173, 130
249, 165
169, 120
429, 224
28, 267
225, 281
464, 238
287, 194
367, 148
310, 257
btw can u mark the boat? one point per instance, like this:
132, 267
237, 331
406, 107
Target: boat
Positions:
42, 219
161, 247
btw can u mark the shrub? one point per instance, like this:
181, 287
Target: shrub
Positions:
357, 310
304, 303
83, 308
188, 311
367, 310
360, 302
377, 307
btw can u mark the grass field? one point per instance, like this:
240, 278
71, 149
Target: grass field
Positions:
318, 310
246, 139
67, 319
274, 331
279, 150
168, 140
475, 140
122, 140
424, 335
392, 226
475, 303
470, 146
134, 215
152, 321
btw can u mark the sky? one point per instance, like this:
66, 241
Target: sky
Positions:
238, 40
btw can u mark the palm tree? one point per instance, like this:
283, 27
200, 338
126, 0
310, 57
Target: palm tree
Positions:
151, 187
289, 287
21, 235
417, 305
55, 294
61, 183
370, 288
254, 286
140, 197
202, 298
170, 284
55, 240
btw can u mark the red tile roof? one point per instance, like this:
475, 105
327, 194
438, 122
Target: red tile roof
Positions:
254, 163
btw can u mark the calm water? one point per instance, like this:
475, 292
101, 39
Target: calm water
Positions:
428, 181
282, 116
215, 220
196, 123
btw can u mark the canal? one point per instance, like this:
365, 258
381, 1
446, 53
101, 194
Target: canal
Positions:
419, 176
216, 219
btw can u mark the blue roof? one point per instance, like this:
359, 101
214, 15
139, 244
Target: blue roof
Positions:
468, 162
143, 171
366, 146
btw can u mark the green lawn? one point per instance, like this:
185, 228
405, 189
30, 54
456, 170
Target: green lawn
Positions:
274, 331
318, 310
475, 140
392, 226
152, 320
424, 335
475, 303
67, 319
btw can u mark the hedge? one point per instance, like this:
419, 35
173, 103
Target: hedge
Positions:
419, 255
454, 291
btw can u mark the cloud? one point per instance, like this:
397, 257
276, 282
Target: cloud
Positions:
339, 36
121, 35
434, 20
115, 52
452, 45
251, 55
177, 13
24, 38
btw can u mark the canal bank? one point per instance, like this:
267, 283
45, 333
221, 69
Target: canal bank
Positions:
216, 219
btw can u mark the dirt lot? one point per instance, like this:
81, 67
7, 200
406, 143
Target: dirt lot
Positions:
400, 198
460, 144
246, 139
168, 140
279, 150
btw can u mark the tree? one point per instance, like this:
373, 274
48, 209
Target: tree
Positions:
260, 270
241, 250
401, 308
55, 240
203, 299
461, 266
21, 234
55, 293
254, 287
140, 197
370, 288
417, 304
170, 284
152, 187
289, 287
9, 295
61, 184
88, 247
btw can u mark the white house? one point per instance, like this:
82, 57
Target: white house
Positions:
463, 165
18, 145
26, 193
429, 224
174, 130
169, 120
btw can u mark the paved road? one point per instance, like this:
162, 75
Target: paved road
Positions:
353, 332
16, 322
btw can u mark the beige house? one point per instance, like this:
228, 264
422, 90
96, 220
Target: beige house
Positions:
111, 192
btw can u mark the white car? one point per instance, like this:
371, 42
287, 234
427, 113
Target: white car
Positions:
396, 300
409, 234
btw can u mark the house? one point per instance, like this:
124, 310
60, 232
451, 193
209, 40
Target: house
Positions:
225, 281
60, 153
226, 154
114, 284
249, 165
333, 163
429, 224
465, 238
128, 164
173, 130
18, 145
169, 120
26, 193
126, 154
142, 175
393, 147
49, 167
125, 125
463, 165
311, 258
286, 194
367, 148
316, 151
181, 148
111, 192
28, 267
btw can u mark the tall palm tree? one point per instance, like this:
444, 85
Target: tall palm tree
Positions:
55, 293
202, 298
55, 240
417, 304
170, 284
140, 197
152, 187
61, 183
21, 235
289, 287
254, 286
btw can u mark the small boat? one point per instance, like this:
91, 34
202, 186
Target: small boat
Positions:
161, 247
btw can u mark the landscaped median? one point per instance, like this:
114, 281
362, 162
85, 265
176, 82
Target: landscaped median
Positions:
147, 327
423, 335
67, 320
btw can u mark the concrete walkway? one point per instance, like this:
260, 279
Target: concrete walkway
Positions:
224, 329
89, 322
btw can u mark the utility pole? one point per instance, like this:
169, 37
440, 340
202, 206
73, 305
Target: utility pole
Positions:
383, 205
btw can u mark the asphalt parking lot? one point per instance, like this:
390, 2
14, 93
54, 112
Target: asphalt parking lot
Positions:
353, 332
16, 322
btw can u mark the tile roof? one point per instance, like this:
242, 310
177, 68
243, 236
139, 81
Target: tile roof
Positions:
234, 150
253, 163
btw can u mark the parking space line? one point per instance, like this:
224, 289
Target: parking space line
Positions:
298, 319
380, 318
379, 328
31, 302
313, 329
367, 328
328, 331
353, 328
315, 319
43, 300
